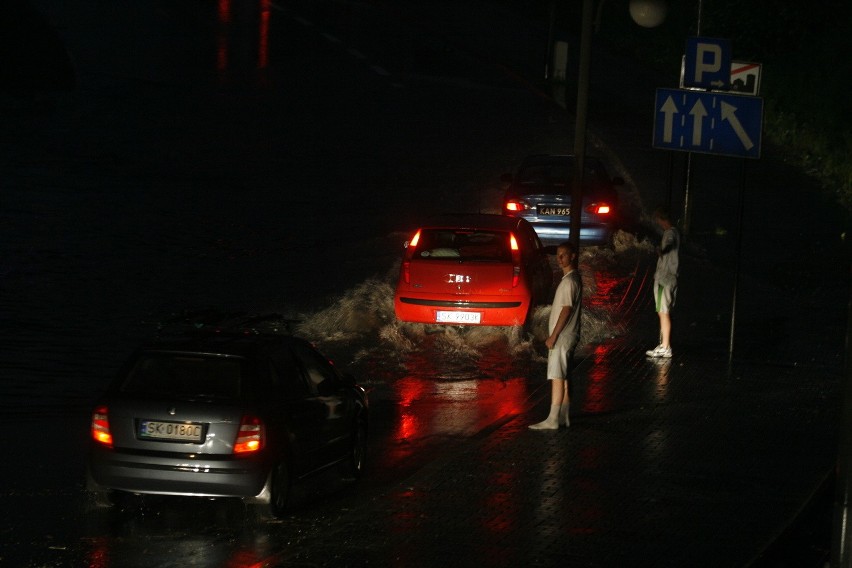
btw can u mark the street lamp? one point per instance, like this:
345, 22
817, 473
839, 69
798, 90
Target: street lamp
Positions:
646, 13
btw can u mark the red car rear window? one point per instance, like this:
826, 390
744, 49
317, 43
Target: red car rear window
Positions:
464, 245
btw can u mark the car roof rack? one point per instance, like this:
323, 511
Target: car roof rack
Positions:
209, 321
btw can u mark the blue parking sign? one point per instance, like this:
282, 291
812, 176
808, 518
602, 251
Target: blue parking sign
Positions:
707, 63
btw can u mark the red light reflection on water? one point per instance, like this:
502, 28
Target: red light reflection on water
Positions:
599, 388
454, 390
263, 35
606, 285
450, 407
409, 390
224, 33
451, 394
502, 505
98, 556
223, 13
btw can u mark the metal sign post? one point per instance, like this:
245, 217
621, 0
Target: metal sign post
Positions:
706, 117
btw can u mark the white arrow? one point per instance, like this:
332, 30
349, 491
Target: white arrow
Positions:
669, 108
698, 113
729, 113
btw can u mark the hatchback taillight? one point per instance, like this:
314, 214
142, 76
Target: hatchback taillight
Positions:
251, 437
100, 426
410, 247
516, 260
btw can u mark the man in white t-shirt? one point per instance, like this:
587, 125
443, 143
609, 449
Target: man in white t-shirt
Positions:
564, 329
665, 282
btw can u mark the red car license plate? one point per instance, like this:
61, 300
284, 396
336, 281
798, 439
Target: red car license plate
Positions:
458, 317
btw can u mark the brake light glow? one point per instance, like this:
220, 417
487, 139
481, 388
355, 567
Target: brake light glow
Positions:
406, 264
251, 436
516, 260
599, 209
514, 206
414, 240
100, 426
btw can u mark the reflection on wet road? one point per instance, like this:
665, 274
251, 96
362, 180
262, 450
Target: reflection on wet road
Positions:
432, 388
209, 159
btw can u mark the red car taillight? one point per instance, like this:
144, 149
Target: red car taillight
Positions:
516, 260
414, 240
100, 426
599, 209
251, 436
410, 246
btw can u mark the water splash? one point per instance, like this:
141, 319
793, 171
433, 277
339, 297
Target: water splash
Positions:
360, 326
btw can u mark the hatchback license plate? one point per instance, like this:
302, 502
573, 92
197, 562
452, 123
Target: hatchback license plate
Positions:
157, 430
458, 317
563, 211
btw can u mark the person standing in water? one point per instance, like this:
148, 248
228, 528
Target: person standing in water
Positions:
564, 329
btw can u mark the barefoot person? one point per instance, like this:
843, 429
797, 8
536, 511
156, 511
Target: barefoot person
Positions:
564, 328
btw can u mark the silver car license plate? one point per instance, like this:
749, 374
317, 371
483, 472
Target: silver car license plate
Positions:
158, 430
551, 210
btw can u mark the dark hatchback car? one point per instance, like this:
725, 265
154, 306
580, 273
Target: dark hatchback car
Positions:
225, 415
541, 192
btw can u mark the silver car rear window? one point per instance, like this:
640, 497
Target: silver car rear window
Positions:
560, 174
185, 375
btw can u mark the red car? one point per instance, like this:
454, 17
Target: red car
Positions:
473, 269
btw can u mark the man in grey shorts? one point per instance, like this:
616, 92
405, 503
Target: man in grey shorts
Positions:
665, 282
564, 328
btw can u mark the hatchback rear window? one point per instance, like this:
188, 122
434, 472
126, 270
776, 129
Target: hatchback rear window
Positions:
464, 245
545, 174
185, 375
560, 175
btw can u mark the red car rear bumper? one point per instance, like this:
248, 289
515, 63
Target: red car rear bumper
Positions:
492, 311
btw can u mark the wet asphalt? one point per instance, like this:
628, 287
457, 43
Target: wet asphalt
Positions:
714, 458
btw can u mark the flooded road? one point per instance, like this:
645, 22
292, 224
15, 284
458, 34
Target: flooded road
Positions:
263, 158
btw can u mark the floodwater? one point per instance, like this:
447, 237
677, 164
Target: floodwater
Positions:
82, 289
185, 174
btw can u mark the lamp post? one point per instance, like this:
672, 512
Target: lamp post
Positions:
646, 13
580, 124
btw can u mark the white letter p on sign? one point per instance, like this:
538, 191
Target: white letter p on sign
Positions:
702, 65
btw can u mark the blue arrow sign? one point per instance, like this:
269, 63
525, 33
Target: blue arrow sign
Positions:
709, 123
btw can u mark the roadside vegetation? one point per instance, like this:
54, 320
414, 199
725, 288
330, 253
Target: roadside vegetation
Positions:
803, 47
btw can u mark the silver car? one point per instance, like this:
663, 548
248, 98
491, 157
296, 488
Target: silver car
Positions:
541, 192
225, 415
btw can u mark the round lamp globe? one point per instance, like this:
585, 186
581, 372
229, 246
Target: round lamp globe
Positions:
648, 13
